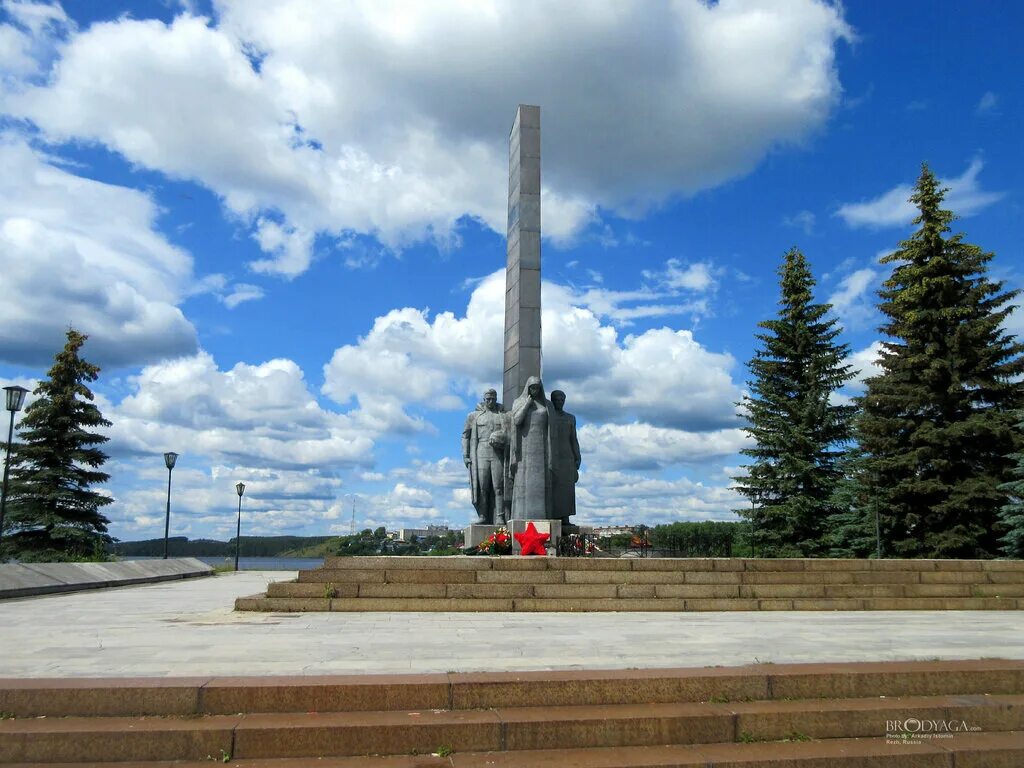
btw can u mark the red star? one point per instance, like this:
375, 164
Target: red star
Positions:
532, 541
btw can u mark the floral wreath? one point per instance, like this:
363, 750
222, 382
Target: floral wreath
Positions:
498, 543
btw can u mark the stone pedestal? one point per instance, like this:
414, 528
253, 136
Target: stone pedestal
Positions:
553, 527
477, 534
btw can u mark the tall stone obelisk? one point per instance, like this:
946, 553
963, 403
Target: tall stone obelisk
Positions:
522, 272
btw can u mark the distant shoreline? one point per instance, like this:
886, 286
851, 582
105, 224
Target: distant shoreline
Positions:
249, 563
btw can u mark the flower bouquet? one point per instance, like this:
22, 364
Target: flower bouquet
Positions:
578, 545
581, 544
498, 543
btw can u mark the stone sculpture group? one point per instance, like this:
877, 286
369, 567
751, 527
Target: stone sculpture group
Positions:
523, 462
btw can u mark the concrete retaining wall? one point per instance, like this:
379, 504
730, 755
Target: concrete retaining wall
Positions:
27, 579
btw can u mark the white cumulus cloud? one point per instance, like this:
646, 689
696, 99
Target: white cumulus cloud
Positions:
662, 376
853, 299
309, 117
242, 292
79, 252
865, 365
276, 501
257, 415
894, 209
646, 447
614, 497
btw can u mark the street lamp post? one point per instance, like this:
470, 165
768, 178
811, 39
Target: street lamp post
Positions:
240, 488
169, 458
15, 399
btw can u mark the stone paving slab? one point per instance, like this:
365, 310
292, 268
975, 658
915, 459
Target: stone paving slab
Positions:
29, 579
188, 628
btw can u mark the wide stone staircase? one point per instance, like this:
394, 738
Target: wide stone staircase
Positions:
935, 714
644, 584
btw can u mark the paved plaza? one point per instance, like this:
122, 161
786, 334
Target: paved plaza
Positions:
188, 627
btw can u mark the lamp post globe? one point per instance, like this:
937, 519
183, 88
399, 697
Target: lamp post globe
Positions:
14, 400
169, 459
240, 489
15, 397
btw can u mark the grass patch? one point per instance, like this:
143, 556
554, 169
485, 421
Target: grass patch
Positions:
797, 736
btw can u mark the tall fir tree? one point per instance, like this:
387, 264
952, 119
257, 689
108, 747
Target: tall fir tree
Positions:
852, 529
937, 422
53, 513
1012, 513
798, 431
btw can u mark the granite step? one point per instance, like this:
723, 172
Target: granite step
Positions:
557, 571
586, 604
119, 739
831, 715
540, 584
504, 729
641, 591
997, 750
121, 697
508, 584
973, 750
458, 562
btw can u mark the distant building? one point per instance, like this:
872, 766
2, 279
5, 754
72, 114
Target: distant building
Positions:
607, 531
407, 534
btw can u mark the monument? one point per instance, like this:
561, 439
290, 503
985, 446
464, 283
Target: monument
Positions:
531, 461
484, 451
565, 449
522, 268
524, 459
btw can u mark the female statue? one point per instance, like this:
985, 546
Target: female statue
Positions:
531, 459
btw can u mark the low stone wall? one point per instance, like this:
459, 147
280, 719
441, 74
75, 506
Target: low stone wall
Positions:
517, 584
27, 579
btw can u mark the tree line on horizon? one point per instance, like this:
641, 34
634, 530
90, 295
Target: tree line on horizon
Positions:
249, 546
928, 462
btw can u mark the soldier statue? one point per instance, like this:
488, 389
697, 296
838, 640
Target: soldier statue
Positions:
485, 453
565, 461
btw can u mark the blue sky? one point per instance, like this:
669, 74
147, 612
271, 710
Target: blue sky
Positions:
280, 225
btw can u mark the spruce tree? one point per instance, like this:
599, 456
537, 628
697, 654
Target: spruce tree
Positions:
53, 514
937, 422
852, 529
798, 431
1012, 513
